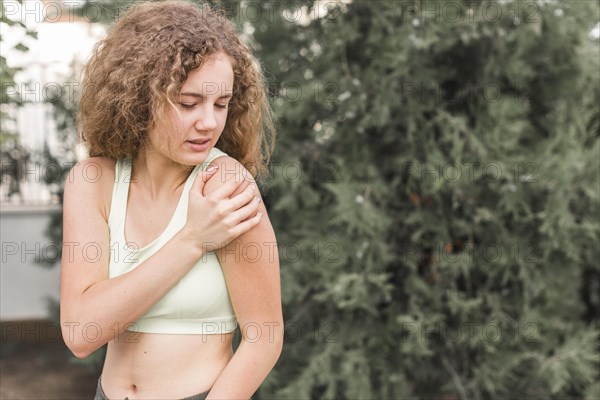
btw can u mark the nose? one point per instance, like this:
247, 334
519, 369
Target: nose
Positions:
205, 119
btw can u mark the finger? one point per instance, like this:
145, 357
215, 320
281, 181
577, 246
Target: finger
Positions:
245, 212
245, 226
199, 183
240, 200
240, 189
226, 190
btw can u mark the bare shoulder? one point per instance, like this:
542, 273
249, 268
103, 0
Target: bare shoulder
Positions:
229, 168
91, 179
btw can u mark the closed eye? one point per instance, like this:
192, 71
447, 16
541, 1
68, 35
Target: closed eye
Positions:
191, 106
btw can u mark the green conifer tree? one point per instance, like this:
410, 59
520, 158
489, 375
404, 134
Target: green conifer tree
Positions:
438, 173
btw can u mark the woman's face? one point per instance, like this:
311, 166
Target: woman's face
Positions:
200, 114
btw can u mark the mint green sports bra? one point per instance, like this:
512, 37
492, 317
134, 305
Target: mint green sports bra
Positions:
199, 303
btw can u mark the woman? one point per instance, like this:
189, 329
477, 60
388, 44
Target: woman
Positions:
162, 258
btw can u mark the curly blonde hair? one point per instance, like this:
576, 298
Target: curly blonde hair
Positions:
138, 69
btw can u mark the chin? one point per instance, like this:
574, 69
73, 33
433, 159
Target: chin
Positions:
195, 158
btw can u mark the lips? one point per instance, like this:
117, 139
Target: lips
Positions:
199, 141
198, 145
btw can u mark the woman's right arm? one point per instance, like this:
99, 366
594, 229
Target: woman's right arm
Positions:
95, 309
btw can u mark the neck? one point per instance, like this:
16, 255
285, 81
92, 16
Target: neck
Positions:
158, 175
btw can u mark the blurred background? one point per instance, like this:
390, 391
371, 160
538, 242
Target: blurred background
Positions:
435, 194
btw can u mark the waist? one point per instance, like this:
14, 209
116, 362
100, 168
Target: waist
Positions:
149, 365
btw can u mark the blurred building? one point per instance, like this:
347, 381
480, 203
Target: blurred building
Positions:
63, 40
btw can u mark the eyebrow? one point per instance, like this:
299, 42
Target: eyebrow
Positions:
203, 97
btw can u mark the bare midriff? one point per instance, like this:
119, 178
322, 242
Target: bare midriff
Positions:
164, 366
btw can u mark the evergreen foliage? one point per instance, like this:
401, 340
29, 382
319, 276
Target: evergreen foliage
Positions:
449, 183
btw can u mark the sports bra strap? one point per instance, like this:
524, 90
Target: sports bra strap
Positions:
123, 169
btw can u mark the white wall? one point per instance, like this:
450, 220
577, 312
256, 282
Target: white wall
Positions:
24, 285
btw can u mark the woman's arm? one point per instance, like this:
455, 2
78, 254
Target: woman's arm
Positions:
94, 309
251, 268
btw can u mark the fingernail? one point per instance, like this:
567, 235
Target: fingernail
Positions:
212, 168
